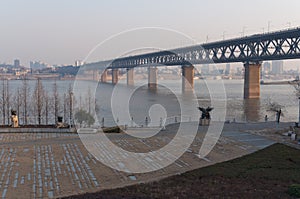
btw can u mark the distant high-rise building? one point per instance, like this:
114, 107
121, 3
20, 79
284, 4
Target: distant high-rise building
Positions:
240, 71
277, 67
266, 68
205, 69
37, 65
16, 63
227, 69
78, 63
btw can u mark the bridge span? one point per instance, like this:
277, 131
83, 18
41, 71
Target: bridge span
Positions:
250, 50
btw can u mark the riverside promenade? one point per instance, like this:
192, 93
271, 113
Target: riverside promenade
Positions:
49, 165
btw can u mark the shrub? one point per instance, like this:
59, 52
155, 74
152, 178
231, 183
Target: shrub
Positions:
294, 190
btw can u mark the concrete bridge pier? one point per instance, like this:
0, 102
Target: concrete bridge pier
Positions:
130, 77
115, 76
252, 80
95, 75
104, 76
187, 78
152, 77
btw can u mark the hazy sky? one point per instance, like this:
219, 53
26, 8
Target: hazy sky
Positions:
62, 31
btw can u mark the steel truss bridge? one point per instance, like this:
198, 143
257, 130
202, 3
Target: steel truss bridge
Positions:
279, 45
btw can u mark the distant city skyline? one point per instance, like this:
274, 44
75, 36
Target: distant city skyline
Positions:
61, 32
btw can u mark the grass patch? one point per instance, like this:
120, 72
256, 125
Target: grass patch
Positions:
294, 190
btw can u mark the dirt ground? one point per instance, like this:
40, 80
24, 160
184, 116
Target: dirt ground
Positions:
264, 174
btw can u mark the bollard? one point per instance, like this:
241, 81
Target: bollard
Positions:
102, 122
146, 122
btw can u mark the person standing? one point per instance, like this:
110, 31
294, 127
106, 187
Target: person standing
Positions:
278, 116
266, 118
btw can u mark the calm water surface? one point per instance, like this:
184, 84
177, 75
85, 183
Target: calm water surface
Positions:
143, 101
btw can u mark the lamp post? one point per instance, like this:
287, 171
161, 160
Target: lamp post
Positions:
299, 112
269, 26
71, 108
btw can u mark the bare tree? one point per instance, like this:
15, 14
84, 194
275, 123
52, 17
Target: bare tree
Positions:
55, 101
25, 93
297, 90
275, 108
7, 102
46, 97
89, 100
97, 108
70, 96
38, 98
80, 102
16, 101
65, 107
3, 100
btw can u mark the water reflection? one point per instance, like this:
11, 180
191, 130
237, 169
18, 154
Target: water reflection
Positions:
252, 109
143, 99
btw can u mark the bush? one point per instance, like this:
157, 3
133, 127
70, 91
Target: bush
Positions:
84, 117
115, 129
294, 190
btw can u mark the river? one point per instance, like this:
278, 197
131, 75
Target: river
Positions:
166, 96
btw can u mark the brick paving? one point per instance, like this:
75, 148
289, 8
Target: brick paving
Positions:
49, 165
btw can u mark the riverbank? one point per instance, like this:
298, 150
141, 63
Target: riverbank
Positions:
235, 141
264, 174
292, 82
47, 165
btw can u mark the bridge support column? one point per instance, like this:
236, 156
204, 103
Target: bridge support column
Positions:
95, 75
115, 76
252, 80
130, 76
187, 78
152, 77
104, 76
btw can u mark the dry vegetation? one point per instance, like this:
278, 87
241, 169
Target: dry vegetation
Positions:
268, 173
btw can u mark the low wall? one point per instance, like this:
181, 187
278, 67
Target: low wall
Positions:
38, 130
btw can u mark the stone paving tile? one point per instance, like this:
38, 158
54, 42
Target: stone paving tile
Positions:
44, 170
45, 165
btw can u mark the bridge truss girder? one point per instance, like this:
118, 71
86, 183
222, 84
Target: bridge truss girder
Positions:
261, 47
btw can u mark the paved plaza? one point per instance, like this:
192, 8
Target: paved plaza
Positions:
49, 165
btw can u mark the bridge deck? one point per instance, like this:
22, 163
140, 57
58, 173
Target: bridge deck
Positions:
279, 45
